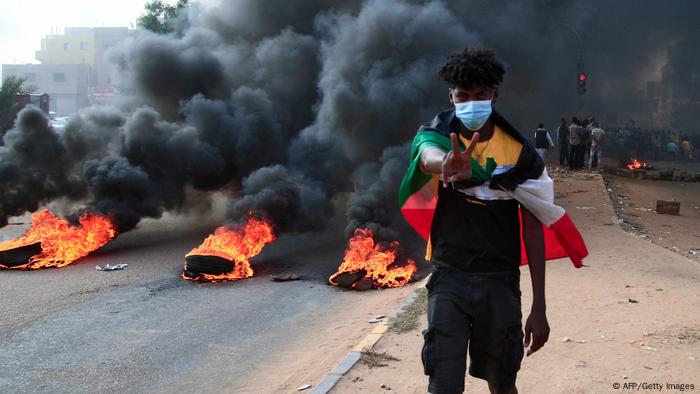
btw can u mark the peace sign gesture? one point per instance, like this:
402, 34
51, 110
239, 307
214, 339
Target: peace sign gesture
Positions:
456, 165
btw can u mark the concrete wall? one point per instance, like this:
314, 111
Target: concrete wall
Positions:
105, 39
66, 84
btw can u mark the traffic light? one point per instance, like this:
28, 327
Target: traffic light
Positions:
582, 77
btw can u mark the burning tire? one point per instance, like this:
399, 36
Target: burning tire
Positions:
225, 254
211, 265
347, 279
369, 264
19, 256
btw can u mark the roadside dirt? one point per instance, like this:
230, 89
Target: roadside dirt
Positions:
631, 315
635, 203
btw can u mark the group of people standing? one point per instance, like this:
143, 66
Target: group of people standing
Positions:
656, 144
574, 139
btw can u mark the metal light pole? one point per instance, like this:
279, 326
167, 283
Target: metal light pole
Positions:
579, 65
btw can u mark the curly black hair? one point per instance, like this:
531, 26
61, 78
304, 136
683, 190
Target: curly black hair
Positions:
472, 66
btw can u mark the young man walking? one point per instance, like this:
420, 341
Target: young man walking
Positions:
471, 181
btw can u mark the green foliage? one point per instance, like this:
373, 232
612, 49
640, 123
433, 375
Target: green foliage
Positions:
11, 87
160, 16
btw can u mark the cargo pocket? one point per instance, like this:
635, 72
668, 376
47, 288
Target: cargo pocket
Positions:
513, 287
427, 354
513, 350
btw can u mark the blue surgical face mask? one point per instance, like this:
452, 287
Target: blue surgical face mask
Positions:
473, 114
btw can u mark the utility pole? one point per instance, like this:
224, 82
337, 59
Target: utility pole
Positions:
581, 76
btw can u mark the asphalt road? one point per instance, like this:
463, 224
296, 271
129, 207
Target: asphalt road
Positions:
144, 329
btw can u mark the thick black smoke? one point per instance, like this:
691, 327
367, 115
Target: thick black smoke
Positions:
377, 81
623, 45
375, 205
294, 202
290, 103
37, 165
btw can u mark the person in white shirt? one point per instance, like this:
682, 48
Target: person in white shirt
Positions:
597, 136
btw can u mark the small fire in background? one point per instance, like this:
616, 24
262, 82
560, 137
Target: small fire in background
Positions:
225, 255
637, 165
52, 242
369, 264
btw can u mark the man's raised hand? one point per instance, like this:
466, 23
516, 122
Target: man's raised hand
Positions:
456, 166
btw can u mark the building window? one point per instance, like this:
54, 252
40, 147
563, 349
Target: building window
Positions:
59, 77
66, 46
83, 46
30, 77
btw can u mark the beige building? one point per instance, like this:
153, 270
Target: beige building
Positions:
76, 46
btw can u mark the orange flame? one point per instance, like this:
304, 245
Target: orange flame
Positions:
363, 253
237, 245
636, 164
61, 242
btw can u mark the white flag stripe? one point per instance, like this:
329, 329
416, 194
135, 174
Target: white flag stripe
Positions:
537, 195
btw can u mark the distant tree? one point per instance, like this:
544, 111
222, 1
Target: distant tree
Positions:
160, 16
11, 87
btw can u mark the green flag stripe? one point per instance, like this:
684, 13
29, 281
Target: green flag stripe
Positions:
415, 179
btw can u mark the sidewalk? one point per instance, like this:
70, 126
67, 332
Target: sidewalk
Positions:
631, 316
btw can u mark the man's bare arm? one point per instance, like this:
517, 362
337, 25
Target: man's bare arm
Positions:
431, 160
453, 165
536, 326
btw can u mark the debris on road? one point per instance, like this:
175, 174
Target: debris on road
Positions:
376, 360
108, 267
377, 319
285, 277
568, 339
668, 207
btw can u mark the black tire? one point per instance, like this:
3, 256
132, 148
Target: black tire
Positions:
19, 256
347, 279
212, 265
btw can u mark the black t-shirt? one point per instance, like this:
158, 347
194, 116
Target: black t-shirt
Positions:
475, 235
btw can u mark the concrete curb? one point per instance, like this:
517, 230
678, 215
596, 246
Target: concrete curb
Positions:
331, 379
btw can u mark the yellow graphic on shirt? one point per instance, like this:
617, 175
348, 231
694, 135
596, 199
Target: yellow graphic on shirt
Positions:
504, 149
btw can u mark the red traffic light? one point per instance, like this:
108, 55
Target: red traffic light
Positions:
582, 77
